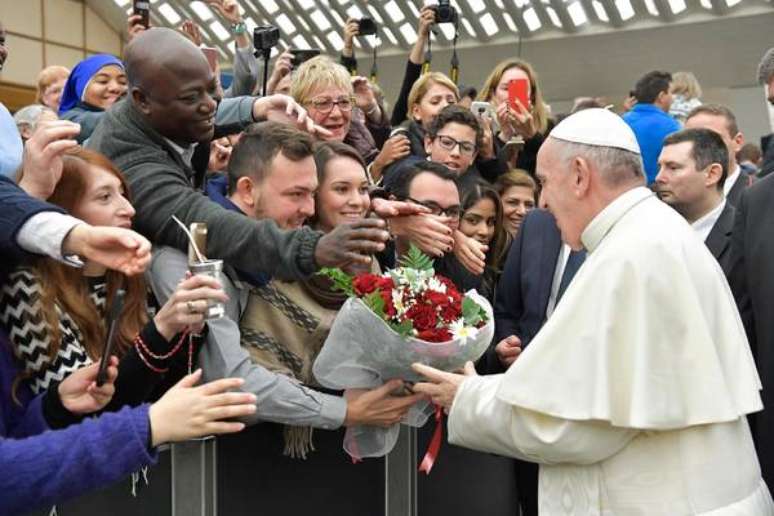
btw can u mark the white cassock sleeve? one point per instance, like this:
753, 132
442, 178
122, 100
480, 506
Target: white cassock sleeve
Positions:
481, 421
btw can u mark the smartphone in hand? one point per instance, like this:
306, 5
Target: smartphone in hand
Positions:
518, 89
142, 7
485, 110
113, 316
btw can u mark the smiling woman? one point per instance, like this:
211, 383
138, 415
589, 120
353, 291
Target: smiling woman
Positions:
56, 314
95, 84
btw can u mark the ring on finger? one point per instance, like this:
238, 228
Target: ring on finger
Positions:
191, 309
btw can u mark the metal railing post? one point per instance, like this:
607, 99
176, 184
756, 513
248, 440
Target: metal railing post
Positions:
400, 497
194, 478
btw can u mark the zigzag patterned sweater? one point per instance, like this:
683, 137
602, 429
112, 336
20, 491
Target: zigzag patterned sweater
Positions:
21, 314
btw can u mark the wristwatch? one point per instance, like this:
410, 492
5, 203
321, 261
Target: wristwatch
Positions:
238, 28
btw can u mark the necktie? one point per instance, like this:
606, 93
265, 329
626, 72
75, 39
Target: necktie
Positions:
573, 264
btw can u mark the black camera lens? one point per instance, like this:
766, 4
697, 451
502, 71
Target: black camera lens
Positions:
366, 27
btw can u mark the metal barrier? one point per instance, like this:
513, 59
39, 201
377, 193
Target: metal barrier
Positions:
185, 482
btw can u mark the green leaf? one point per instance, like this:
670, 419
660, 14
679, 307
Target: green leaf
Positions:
404, 329
472, 313
375, 302
416, 259
341, 280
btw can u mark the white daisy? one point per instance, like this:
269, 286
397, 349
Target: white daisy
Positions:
460, 331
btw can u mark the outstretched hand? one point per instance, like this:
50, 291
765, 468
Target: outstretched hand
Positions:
282, 108
442, 386
351, 244
116, 248
187, 411
470, 252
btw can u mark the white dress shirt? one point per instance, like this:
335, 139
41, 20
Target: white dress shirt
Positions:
731, 180
704, 225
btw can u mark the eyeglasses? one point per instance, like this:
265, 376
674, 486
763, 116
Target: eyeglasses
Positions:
448, 143
325, 105
453, 212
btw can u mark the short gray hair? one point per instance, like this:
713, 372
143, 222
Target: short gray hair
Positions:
766, 67
29, 116
617, 166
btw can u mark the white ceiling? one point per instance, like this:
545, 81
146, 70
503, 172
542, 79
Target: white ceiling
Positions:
318, 23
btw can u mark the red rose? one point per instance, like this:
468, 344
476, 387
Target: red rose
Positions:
435, 335
451, 311
385, 283
450, 286
364, 284
389, 307
422, 316
436, 298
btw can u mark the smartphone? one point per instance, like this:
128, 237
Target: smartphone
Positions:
113, 316
518, 89
142, 7
300, 55
485, 110
212, 58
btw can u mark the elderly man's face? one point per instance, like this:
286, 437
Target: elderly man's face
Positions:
557, 194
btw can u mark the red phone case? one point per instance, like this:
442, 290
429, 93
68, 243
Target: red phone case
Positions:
518, 89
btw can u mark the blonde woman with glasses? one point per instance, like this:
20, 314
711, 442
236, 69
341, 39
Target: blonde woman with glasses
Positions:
344, 106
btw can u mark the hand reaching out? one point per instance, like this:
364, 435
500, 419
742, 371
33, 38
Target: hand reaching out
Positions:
470, 252
188, 411
441, 386
116, 248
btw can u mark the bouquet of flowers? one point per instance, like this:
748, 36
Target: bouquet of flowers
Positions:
390, 321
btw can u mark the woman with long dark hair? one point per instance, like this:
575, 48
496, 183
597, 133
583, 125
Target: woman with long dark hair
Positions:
56, 314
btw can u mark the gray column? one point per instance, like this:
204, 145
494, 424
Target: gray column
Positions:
400, 497
194, 478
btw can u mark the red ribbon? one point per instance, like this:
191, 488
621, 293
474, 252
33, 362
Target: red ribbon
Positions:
435, 443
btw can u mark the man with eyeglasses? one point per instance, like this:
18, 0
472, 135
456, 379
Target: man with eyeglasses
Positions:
433, 186
453, 140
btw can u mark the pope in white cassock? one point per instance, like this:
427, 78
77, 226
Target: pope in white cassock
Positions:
633, 396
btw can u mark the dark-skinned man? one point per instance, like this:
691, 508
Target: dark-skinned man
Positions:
151, 136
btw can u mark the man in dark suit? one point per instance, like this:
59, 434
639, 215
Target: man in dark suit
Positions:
538, 270
692, 169
752, 282
723, 121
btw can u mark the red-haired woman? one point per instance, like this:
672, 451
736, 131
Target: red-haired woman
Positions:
55, 314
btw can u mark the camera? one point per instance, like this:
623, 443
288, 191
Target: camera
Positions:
366, 27
445, 12
300, 56
265, 37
